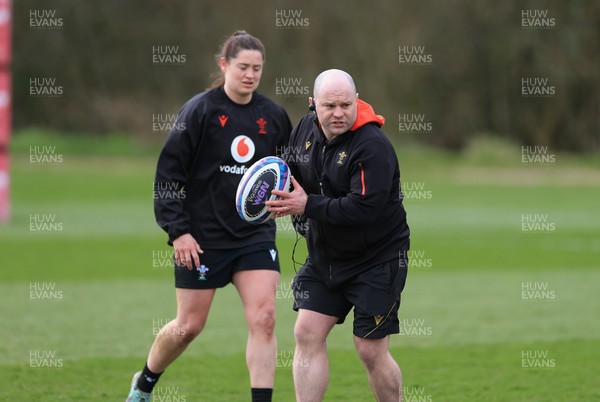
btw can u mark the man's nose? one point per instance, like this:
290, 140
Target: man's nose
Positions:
338, 111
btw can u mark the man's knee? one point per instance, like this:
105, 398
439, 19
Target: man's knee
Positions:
305, 334
370, 351
311, 328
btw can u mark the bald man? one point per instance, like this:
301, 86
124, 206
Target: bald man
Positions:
346, 182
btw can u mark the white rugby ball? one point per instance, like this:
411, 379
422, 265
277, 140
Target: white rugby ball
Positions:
255, 188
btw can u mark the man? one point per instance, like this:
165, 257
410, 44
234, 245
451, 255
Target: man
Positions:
357, 237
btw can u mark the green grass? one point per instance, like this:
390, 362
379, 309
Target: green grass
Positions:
115, 144
467, 292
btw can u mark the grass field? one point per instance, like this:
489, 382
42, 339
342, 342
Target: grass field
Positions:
491, 311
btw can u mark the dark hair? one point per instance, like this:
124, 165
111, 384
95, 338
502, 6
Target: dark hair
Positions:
240, 40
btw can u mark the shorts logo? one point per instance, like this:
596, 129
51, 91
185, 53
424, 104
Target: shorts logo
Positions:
202, 270
242, 148
273, 254
378, 319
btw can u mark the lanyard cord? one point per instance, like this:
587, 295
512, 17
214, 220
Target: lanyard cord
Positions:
294, 262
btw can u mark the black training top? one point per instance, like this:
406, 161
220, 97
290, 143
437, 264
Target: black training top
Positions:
355, 215
211, 145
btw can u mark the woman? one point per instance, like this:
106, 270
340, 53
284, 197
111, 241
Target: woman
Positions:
218, 134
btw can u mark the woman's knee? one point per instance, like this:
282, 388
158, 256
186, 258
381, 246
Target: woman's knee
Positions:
263, 321
186, 330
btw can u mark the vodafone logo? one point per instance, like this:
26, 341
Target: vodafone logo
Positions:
242, 149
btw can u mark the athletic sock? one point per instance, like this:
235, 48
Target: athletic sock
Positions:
147, 380
262, 394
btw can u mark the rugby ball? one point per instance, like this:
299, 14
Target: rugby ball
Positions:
256, 185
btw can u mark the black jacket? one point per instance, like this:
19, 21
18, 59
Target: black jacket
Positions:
213, 142
355, 215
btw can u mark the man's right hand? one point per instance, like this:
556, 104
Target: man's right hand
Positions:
187, 251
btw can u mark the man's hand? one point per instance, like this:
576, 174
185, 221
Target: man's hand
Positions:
292, 203
187, 251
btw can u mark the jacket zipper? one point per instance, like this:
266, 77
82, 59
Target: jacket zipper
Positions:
322, 168
322, 193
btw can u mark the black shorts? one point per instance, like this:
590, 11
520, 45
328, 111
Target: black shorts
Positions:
218, 266
374, 294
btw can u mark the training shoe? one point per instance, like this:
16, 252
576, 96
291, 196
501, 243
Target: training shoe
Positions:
135, 395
